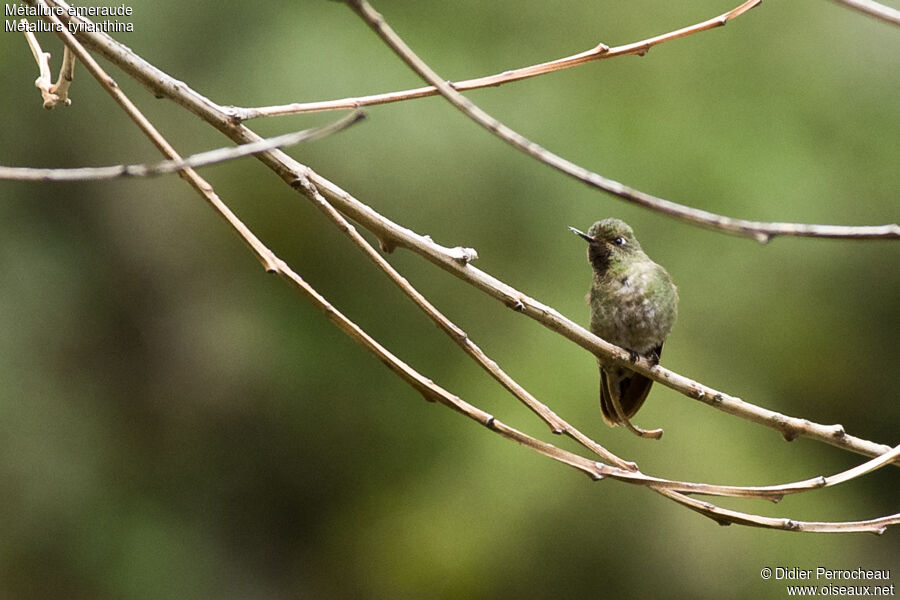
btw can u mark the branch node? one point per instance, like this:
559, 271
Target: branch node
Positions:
791, 525
517, 305
599, 472
235, 115
463, 255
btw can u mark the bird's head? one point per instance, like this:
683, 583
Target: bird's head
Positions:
610, 241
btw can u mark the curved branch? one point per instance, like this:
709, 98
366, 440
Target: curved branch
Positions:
724, 516
760, 231
771, 492
194, 161
599, 52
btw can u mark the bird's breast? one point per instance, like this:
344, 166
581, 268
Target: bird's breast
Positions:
635, 310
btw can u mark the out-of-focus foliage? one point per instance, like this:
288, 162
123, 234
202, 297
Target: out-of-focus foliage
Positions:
174, 423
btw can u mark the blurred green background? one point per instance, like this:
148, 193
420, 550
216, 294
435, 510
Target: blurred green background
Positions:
176, 424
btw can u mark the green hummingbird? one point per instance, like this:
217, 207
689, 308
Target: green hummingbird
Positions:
633, 305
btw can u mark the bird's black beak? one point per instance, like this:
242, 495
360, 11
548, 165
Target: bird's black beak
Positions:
581, 234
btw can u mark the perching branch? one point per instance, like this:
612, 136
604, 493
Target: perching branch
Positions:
431, 391
760, 231
194, 161
599, 52
460, 337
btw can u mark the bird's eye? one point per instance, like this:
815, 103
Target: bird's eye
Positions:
619, 241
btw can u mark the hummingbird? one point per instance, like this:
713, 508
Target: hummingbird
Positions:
633, 305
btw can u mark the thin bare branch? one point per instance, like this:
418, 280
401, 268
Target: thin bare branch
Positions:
873, 9
720, 515
725, 516
52, 94
599, 52
457, 260
863, 469
760, 231
770, 492
194, 161
66, 76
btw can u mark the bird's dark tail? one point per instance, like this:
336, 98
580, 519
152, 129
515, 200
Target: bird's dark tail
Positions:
631, 390
628, 390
